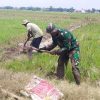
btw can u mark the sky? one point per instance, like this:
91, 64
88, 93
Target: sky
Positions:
77, 4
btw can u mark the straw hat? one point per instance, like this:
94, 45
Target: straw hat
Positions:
25, 22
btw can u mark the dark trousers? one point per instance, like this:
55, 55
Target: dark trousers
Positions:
36, 42
63, 60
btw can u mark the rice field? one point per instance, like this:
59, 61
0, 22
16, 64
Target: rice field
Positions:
16, 69
12, 33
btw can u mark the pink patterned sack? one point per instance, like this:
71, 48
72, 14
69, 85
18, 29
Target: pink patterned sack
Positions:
40, 89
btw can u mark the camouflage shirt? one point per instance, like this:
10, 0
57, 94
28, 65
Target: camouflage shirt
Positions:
65, 40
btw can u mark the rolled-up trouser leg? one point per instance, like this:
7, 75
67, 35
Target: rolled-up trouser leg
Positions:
76, 74
62, 61
60, 69
74, 56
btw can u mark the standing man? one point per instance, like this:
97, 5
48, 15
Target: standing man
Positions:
33, 31
69, 49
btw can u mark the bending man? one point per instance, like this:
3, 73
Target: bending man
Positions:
33, 31
69, 49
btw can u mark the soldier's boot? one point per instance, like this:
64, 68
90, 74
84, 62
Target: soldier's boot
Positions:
76, 74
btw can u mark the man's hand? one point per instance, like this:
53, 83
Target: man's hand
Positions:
54, 52
43, 49
24, 49
40, 51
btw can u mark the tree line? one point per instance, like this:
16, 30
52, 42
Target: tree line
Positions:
50, 9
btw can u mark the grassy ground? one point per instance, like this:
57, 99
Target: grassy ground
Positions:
16, 81
12, 33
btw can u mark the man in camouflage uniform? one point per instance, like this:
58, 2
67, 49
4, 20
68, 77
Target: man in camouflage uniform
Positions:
69, 48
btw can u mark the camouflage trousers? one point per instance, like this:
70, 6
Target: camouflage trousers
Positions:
63, 60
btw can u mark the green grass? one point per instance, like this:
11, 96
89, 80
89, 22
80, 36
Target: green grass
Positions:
11, 20
90, 50
88, 36
41, 64
9, 30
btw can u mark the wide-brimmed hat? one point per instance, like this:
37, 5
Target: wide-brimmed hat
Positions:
25, 22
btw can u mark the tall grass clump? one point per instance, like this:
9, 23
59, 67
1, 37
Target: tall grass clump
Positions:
89, 45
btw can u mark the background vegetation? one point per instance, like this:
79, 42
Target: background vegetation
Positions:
12, 33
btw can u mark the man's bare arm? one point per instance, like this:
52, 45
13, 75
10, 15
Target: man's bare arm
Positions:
29, 35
